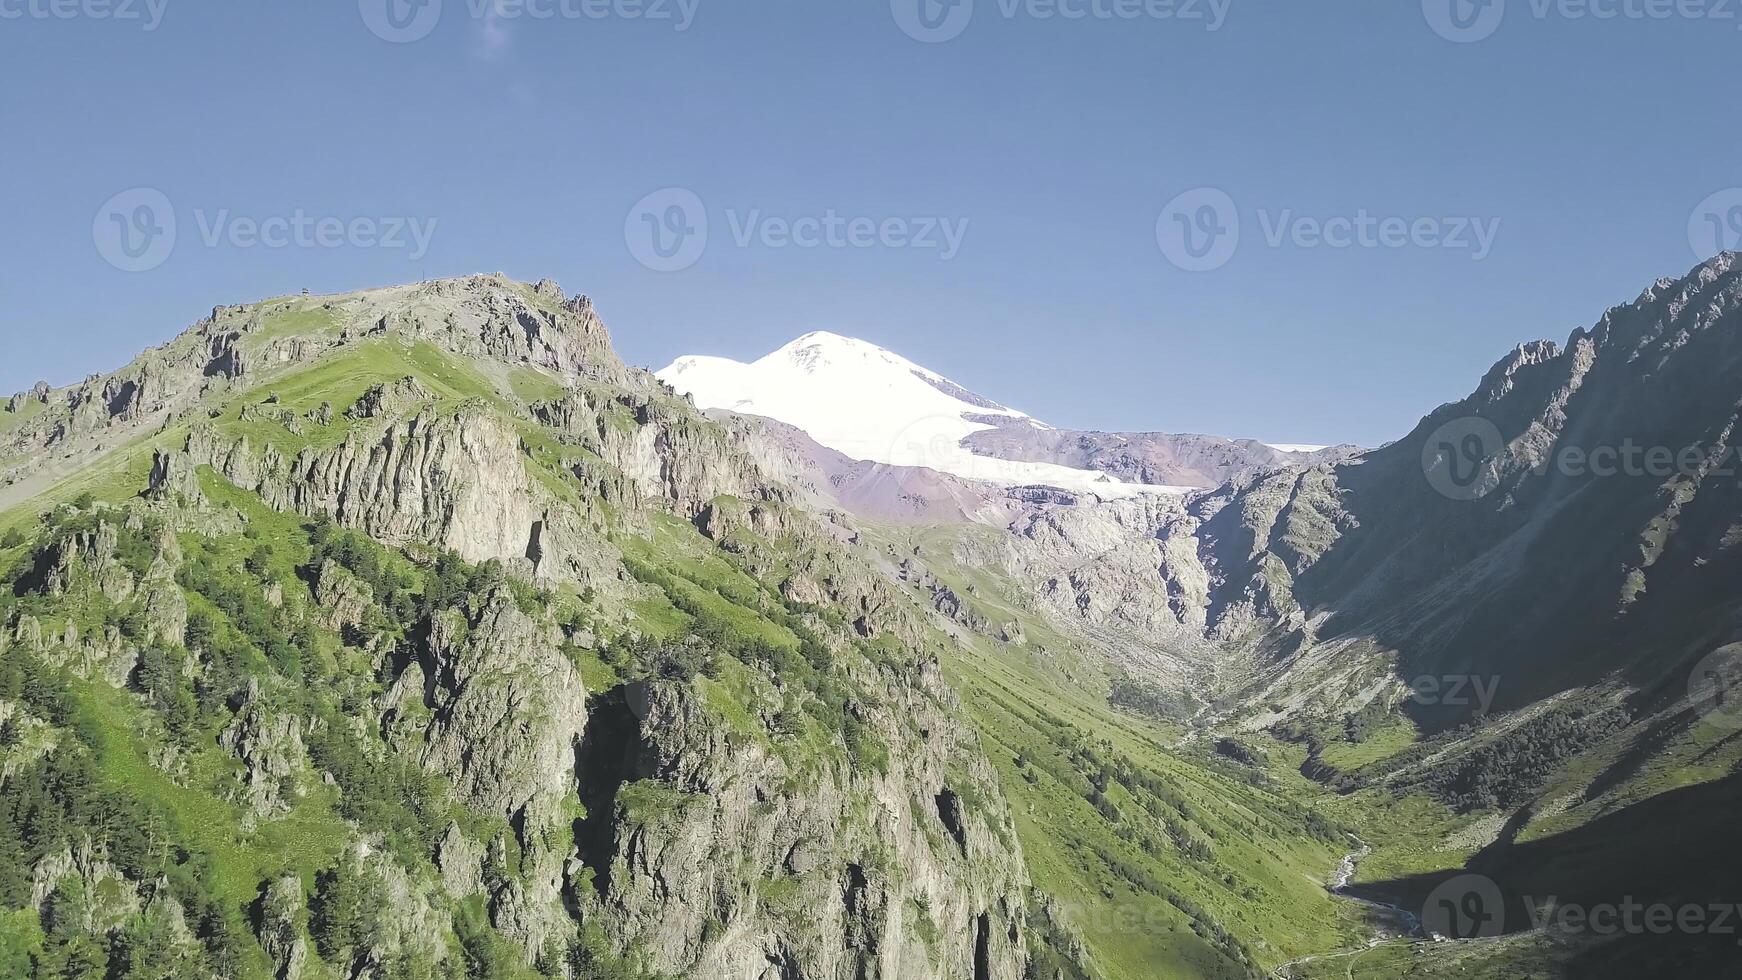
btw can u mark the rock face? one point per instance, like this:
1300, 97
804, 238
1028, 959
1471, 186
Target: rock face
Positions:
454, 481
509, 708
270, 748
492, 317
509, 713
342, 601
843, 878
842, 823
98, 893
657, 452
89, 558
389, 399
282, 921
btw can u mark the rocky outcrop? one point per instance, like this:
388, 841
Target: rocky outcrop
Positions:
945, 600
39, 393
89, 559
509, 713
269, 746
455, 481
410, 925
283, 923
393, 399
164, 607
461, 862
493, 317
343, 602
173, 477
509, 707
714, 865
92, 566
101, 898
656, 451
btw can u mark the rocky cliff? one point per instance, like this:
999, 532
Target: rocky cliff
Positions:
557, 671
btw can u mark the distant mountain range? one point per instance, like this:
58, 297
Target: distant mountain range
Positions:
874, 405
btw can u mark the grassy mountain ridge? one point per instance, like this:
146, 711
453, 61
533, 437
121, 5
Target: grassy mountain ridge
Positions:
310, 558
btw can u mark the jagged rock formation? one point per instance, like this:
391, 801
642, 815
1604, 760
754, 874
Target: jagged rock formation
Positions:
508, 714
454, 481
283, 918
837, 875
389, 399
343, 602
103, 899
270, 748
650, 449
483, 317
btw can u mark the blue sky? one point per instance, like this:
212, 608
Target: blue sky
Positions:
1510, 187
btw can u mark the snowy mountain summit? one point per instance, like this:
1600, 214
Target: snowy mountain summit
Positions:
873, 404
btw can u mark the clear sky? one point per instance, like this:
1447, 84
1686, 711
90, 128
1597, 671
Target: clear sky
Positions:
533, 142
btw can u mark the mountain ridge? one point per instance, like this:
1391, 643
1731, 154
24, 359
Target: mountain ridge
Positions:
867, 409
559, 678
748, 700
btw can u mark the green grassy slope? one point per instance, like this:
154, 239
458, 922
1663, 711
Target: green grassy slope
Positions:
1169, 861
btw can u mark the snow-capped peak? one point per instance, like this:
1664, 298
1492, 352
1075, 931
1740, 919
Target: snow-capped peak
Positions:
821, 349
873, 404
